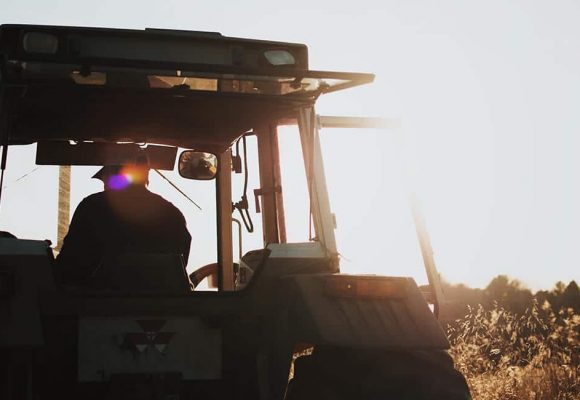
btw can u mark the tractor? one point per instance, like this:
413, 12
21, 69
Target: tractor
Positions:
269, 315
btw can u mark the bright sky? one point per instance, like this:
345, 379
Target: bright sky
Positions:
487, 94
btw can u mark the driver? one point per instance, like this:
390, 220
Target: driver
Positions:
124, 218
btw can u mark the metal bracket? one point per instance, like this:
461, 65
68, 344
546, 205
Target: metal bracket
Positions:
262, 191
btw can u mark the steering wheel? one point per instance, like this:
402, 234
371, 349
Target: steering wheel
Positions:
208, 271
201, 273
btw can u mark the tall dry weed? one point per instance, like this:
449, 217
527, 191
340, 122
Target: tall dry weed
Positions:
535, 356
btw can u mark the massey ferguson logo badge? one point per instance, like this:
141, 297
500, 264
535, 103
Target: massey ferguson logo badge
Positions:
151, 337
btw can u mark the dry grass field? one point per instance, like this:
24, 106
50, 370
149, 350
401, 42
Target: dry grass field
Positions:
535, 356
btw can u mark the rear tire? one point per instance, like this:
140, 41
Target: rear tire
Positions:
347, 374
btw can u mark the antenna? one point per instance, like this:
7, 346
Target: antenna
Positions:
176, 188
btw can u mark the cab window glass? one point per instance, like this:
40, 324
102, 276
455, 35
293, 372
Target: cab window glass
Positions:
294, 191
29, 208
369, 194
294, 186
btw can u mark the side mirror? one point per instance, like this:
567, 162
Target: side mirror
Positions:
197, 165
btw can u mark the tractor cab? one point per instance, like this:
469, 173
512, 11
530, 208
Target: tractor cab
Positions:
208, 112
95, 96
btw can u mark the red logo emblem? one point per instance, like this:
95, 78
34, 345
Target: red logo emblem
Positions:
150, 338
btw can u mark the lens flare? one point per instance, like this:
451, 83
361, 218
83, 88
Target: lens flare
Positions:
119, 181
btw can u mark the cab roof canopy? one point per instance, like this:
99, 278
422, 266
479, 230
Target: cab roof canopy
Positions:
191, 89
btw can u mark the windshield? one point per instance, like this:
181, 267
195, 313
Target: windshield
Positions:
366, 188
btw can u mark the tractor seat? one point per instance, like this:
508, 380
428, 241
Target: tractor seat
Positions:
142, 273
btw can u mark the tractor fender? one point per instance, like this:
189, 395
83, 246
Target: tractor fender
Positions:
357, 311
25, 273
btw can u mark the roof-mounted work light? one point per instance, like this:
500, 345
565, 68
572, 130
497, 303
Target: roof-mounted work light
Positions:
279, 57
40, 43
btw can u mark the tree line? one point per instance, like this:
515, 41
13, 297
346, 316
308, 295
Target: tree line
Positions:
509, 294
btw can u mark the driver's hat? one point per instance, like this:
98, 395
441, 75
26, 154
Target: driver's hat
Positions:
140, 162
106, 171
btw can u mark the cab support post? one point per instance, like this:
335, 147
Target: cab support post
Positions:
268, 184
4, 137
278, 179
224, 221
64, 173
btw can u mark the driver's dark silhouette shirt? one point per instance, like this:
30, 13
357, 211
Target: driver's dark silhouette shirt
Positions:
113, 222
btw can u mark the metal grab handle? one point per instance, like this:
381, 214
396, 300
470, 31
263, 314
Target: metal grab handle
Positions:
242, 207
262, 191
